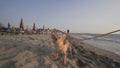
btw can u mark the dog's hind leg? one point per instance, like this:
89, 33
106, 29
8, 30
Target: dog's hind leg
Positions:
70, 49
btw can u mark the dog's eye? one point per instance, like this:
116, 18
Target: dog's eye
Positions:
58, 37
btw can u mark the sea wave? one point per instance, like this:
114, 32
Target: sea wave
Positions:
109, 42
111, 38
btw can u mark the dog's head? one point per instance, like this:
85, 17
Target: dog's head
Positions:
59, 37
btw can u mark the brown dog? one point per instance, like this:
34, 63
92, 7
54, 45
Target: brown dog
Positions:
63, 45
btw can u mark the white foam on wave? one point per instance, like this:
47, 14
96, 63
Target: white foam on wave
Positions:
110, 43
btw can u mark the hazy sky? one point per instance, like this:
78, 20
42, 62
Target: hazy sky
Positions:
83, 16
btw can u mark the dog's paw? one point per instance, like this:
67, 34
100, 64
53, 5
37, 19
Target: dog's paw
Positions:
64, 65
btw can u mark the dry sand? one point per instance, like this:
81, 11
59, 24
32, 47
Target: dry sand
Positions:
35, 51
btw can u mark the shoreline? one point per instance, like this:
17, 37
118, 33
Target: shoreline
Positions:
99, 51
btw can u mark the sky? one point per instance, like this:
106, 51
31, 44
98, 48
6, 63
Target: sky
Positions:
79, 16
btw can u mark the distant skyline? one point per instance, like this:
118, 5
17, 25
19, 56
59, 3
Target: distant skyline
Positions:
79, 16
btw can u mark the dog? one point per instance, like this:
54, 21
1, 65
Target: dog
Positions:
62, 45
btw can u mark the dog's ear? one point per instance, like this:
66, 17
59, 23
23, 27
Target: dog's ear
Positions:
54, 37
64, 37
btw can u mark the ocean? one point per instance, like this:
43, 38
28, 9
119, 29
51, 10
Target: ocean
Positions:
109, 42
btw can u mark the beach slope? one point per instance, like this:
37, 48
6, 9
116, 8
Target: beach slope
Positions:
36, 51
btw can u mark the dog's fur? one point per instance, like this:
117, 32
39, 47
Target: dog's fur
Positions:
63, 45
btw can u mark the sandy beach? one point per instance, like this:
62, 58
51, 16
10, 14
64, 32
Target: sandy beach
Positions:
35, 51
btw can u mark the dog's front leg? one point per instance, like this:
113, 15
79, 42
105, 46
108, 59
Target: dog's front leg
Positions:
65, 58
